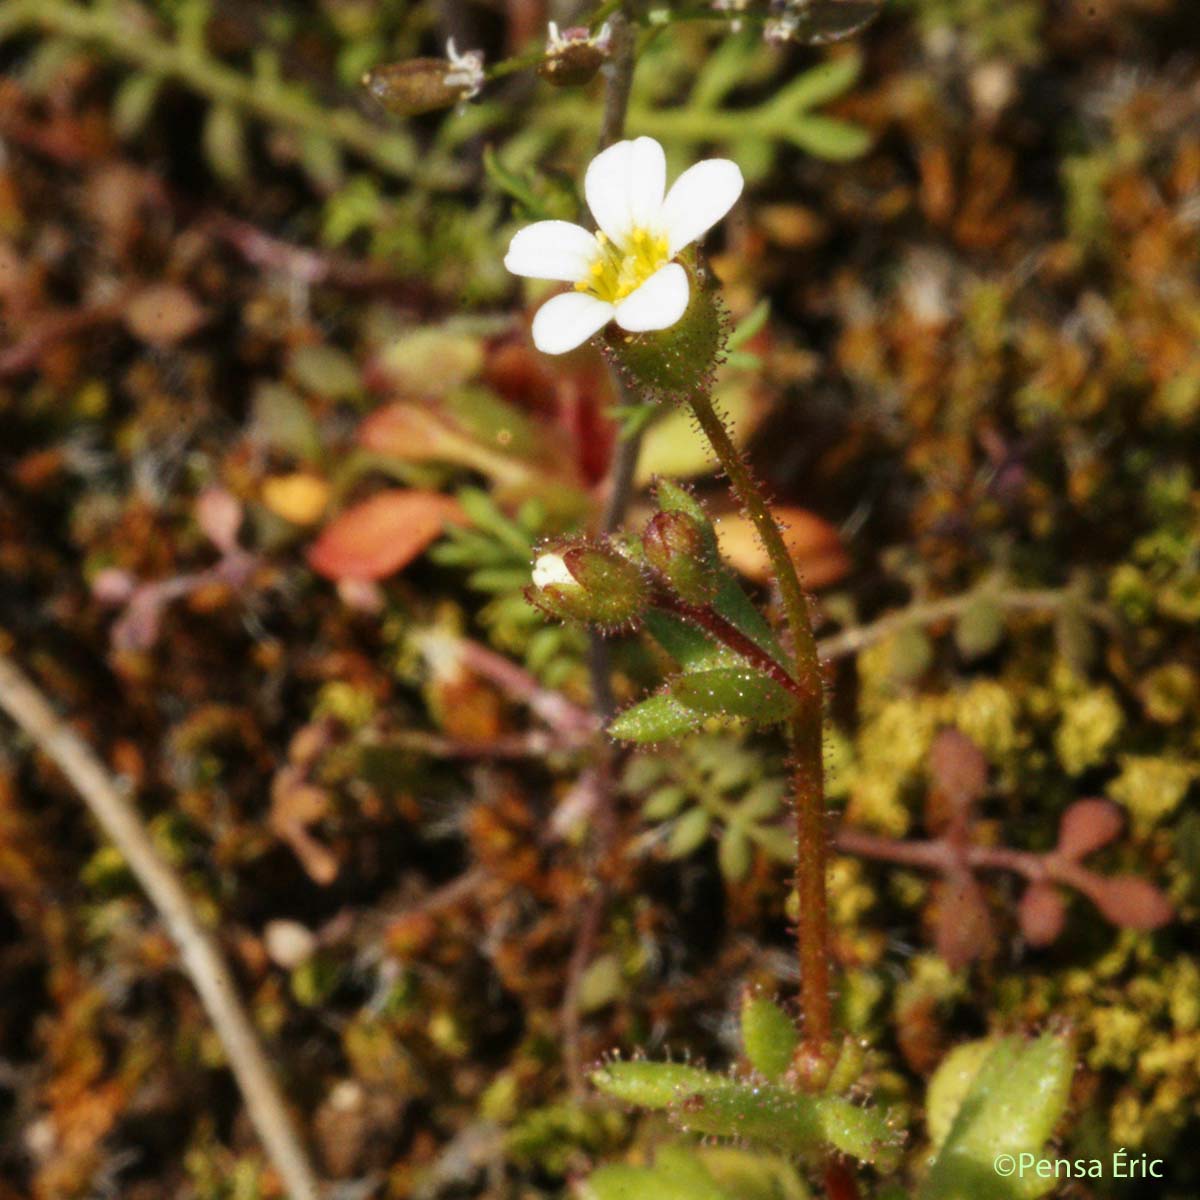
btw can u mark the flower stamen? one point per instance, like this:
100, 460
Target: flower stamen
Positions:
618, 271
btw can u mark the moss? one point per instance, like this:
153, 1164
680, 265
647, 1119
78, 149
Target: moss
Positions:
1117, 1031
1151, 788
1090, 723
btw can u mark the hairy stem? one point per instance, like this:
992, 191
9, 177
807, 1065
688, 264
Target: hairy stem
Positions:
806, 739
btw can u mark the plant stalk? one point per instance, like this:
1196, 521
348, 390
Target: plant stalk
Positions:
805, 734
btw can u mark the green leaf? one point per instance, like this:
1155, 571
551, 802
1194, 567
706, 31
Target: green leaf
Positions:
819, 85
655, 719
224, 141
677, 1174
321, 158
642, 772
749, 325
753, 1176
731, 602
1015, 1096
724, 70
654, 1085
689, 833
689, 646
281, 420
665, 802
734, 692
133, 104
735, 854
762, 800
769, 1036
778, 842
675, 447
827, 137
513, 184
979, 628
602, 983
325, 371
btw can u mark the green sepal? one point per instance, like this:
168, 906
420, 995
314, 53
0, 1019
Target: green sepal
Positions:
769, 1036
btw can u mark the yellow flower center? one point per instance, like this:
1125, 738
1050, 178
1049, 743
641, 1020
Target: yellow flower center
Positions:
618, 270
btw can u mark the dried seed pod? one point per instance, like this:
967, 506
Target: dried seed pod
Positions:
422, 85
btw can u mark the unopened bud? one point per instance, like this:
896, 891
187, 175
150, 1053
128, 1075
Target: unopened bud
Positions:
681, 358
679, 549
573, 56
589, 582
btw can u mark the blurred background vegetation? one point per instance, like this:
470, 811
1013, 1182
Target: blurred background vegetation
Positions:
276, 452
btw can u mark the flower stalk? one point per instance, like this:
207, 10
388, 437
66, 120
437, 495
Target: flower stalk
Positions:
805, 736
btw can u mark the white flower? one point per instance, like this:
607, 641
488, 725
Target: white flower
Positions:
627, 270
551, 570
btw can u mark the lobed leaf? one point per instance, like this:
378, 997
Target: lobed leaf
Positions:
788, 1121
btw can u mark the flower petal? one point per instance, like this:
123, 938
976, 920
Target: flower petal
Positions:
658, 303
624, 187
698, 199
567, 321
551, 250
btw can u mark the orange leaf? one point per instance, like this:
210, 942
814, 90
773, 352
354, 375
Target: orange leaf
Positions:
813, 543
376, 538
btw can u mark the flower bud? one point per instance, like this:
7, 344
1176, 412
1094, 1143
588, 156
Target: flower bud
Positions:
678, 548
589, 582
681, 358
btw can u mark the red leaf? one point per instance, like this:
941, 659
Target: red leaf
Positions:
1086, 826
1042, 914
962, 925
376, 538
1129, 901
958, 772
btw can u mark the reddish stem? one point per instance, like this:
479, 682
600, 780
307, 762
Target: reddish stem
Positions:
729, 635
